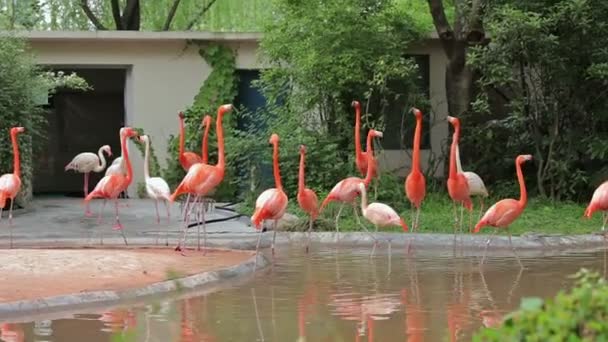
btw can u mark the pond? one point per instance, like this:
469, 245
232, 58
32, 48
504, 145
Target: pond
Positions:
333, 294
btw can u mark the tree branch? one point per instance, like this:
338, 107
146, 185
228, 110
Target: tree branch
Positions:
200, 14
128, 12
444, 30
87, 10
116, 14
171, 15
476, 33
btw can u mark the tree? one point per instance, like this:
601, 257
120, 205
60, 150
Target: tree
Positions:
129, 17
456, 39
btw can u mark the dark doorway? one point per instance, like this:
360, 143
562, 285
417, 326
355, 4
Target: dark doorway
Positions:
80, 122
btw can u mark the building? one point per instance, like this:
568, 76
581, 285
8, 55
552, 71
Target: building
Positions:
143, 79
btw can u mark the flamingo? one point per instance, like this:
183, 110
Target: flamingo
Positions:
415, 185
272, 203
10, 183
156, 187
118, 166
187, 159
476, 185
361, 157
203, 178
109, 187
307, 199
505, 211
599, 201
346, 191
86, 163
458, 187
380, 215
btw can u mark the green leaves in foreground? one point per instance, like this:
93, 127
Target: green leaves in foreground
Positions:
578, 315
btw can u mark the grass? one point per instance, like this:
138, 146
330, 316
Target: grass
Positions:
540, 216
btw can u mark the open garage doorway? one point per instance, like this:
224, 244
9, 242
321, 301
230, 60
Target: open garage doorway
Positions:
80, 121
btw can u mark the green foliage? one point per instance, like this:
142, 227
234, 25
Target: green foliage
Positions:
326, 54
577, 315
544, 76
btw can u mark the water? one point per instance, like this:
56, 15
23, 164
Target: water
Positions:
333, 295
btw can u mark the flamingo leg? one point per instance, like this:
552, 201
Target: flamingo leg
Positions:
202, 210
483, 259
417, 222
413, 216
375, 243
480, 208
375, 188
461, 219
455, 219
99, 220
118, 225
182, 240
604, 218
310, 222
514, 250
390, 255
198, 222
10, 222
185, 208
274, 234
168, 222
157, 219
87, 209
257, 248
337, 218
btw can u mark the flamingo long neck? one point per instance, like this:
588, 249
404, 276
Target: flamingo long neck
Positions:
301, 182
16, 162
458, 164
363, 200
147, 160
205, 151
453, 148
220, 141
370, 155
275, 167
358, 152
125, 158
181, 136
416, 153
523, 195
101, 166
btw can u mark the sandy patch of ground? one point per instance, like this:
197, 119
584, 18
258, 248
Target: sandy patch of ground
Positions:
35, 273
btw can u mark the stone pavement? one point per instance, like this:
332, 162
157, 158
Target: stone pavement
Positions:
54, 219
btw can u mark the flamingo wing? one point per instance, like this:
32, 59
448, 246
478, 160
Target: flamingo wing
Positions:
187, 159
157, 188
381, 214
308, 201
270, 205
476, 185
114, 169
83, 162
108, 187
415, 188
600, 197
502, 214
9, 185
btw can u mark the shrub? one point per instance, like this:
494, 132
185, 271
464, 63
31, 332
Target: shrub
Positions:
578, 315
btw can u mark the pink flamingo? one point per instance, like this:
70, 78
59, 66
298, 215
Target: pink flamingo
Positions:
415, 184
272, 203
505, 211
380, 215
307, 199
347, 190
109, 187
10, 183
86, 163
361, 157
599, 201
156, 187
458, 186
201, 179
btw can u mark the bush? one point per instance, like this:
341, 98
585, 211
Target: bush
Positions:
578, 315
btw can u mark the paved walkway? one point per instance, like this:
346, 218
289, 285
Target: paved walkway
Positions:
54, 219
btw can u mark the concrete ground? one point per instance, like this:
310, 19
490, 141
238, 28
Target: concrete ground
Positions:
61, 219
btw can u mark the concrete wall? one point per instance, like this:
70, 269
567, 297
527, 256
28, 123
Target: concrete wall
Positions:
162, 78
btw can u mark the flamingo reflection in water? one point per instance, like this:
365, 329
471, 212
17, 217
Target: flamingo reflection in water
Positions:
118, 321
415, 325
493, 317
306, 304
351, 306
458, 311
192, 320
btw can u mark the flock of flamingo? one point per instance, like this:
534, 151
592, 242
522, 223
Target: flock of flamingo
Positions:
202, 178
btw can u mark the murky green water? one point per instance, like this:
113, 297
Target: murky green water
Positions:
335, 295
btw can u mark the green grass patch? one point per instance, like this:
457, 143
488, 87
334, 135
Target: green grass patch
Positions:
437, 216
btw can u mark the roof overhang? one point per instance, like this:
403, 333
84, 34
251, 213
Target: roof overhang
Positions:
132, 36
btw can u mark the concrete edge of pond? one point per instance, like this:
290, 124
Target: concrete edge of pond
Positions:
75, 301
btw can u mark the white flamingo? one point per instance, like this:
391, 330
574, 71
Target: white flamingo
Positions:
86, 163
476, 185
156, 187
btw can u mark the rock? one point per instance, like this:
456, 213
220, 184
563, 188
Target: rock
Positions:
287, 221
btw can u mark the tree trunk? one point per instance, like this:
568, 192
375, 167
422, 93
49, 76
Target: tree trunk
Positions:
459, 82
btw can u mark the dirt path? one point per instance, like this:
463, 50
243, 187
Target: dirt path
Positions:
35, 273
